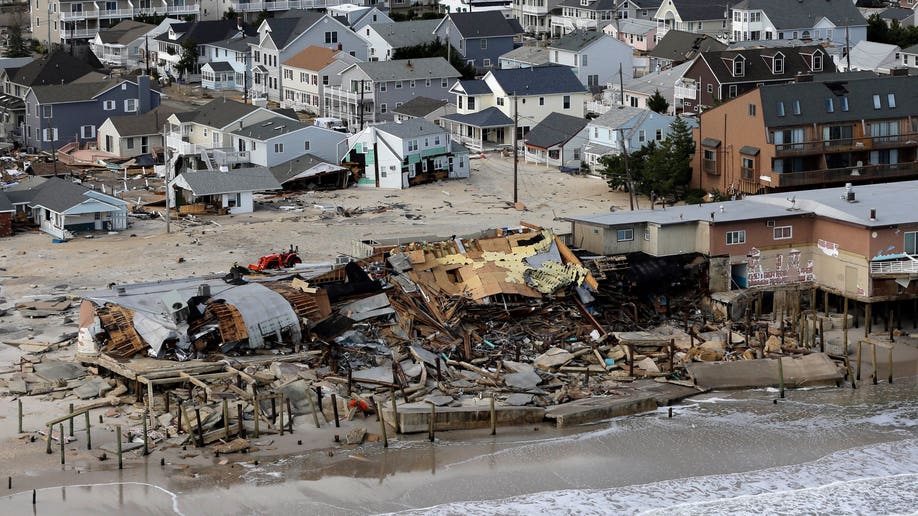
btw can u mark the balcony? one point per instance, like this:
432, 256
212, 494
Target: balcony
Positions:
180, 144
78, 15
895, 267
534, 10
846, 145
79, 33
683, 91
347, 95
747, 173
241, 6
115, 13
129, 12
710, 166
843, 175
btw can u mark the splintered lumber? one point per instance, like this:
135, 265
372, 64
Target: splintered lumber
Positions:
568, 256
118, 324
197, 382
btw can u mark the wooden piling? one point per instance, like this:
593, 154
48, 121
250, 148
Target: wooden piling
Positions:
672, 352
868, 320
146, 449
890, 365
781, 377
394, 410
849, 372
118, 445
257, 411
859, 360
822, 338
280, 422
88, 431
240, 428
70, 424
334, 402
845, 326
197, 415
226, 431
48, 440
312, 406
382, 424
19, 404
289, 416
825, 301
433, 419
493, 417
874, 357
891, 326
61, 428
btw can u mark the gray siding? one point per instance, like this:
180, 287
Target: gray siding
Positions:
393, 96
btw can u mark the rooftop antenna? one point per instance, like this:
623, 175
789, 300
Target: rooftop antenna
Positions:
793, 202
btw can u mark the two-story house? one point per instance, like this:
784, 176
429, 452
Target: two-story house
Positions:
583, 15
228, 64
127, 44
624, 129
908, 57
557, 141
400, 154
535, 15
282, 37
467, 6
669, 84
203, 139
56, 115
487, 108
131, 135
357, 17
170, 45
57, 68
480, 37
727, 74
640, 35
279, 140
871, 56
695, 16
75, 21
306, 75
368, 91
386, 38
594, 57
835, 21
524, 57
808, 135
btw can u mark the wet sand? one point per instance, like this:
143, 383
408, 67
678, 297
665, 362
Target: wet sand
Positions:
717, 447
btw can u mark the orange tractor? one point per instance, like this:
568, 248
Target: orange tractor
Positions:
282, 260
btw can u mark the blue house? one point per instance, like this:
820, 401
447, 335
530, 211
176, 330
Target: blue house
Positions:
625, 128
56, 115
481, 37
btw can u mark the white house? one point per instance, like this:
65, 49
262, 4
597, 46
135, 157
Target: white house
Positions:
306, 74
280, 139
358, 16
625, 128
816, 20
467, 6
399, 154
127, 43
485, 108
871, 56
282, 37
222, 191
229, 64
557, 141
595, 57
386, 38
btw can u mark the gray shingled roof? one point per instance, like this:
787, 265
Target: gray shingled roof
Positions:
538, 80
535, 56
408, 69
598, 5
420, 106
410, 128
287, 28
148, 123
59, 68
59, 195
287, 170
797, 14
126, 31
698, 10
485, 24
5, 204
213, 182
578, 40
270, 128
555, 129
217, 113
406, 33
219, 66
681, 46
475, 87
74, 92
490, 117
619, 117
758, 69
860, 92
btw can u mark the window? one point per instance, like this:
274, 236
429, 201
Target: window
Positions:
830, 105
437, 140
500, 101
306, 145
398, 85
583, 60
843, 102
278, 147
484, 43
46, 111
89, 131
624, 235
49, 134
566, 102
876, 102
779, 64
411, 84
659, 135
891, 100
780, 108
471, 102
130, 105
331, 37
427, 83
324, 80
817, 62
710, 88
382, 86
288, 74
796, 107
128, 142
731, 91
443, 83
486, 62
783, 232
383, 108
736, 237
412, 145
751, 109
739, 68
108, 105
642, 136
911, 242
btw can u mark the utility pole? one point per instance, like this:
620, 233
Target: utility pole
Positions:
621, 82
631, 196
361, 104
166, 174
516, 130
847, 45
146, 53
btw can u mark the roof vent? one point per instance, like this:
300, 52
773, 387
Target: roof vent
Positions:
873, 214
849, 193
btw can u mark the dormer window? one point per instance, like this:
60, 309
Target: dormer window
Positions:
780, 108
739, 66
830, 105
796, 107
778, 63
844, 103
817, 62
585, 3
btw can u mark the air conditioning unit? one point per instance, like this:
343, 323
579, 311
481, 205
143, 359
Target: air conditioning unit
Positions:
770, 223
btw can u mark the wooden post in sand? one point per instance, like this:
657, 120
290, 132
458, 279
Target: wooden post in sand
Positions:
890, 365
88, 431
859, 360
874, 357
781, 377
118, 445
493, 417
382, 424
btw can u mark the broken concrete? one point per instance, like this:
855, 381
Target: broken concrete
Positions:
807, 370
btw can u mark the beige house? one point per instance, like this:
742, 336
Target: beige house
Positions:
132, 135
305, 76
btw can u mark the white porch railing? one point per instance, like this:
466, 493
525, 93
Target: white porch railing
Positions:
79, 33
597, 107
181, 146
685, 92
895, 267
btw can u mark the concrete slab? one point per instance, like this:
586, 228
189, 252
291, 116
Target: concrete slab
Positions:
54, 370
525, 380
518, 400
415, 417
589, 410
92, 388
807, 370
